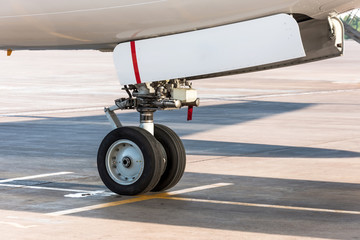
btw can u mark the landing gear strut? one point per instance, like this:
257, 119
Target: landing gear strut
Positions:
135, 160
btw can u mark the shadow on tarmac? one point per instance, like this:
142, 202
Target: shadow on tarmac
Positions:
246, 189
285, 192
217, 148
79, 137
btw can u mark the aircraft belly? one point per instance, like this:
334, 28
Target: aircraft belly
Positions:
43, 24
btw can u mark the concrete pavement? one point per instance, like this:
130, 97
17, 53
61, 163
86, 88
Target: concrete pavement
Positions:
271, 155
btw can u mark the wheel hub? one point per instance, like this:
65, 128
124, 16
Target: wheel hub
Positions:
126, 161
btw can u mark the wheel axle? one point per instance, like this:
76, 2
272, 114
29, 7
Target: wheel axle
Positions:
126, 161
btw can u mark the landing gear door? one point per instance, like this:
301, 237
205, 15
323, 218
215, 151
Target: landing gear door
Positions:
210, 51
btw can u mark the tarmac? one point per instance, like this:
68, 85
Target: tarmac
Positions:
270, 155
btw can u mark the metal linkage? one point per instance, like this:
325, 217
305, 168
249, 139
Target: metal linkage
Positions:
147, 98
111, 116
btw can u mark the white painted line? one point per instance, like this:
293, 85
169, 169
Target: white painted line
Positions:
263, 205
17, 225
137, 199
46, 188
34, 176
78, 192
98, 206
101, 193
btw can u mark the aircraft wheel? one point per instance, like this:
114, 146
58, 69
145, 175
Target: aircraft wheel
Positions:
129, 161
176, 157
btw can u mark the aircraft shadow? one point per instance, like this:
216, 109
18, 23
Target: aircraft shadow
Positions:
79, 137
274, 192
257, 190
212, 117
217, 148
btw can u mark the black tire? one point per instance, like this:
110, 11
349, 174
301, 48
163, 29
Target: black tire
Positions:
129, 140
176, 157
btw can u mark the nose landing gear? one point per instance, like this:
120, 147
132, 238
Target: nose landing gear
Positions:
136, 160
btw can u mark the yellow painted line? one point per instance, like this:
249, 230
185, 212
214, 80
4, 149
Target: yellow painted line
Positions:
195, 189
137, 199
262, 205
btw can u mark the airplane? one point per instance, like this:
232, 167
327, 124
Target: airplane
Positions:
159, 46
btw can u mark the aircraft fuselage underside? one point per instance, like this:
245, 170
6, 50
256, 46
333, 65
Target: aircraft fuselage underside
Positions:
83, 24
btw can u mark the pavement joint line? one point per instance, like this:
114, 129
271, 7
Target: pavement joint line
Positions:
301, 93
262, 205
137, 199
239, 98
70, 110
34, 176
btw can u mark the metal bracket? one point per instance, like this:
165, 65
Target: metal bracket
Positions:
150, 97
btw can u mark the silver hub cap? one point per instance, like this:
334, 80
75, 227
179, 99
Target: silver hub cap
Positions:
124, 162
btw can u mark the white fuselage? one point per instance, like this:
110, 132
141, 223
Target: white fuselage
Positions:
101, 24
